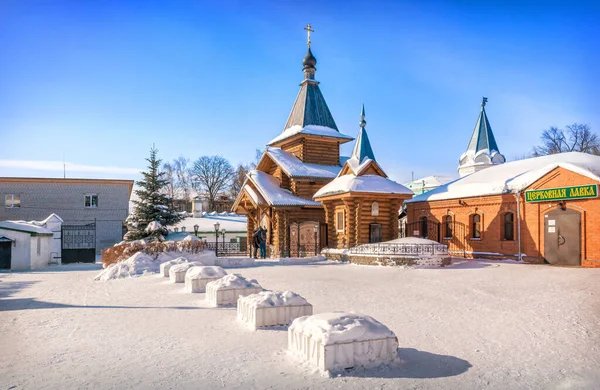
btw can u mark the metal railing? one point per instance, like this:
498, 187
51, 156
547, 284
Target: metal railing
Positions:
227, 248
390, 249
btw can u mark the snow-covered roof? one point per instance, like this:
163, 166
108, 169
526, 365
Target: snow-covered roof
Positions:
26, 227
364, 183
356, 166
269, 188
321, 131
429, 182
253, 194
294, 167
513, 176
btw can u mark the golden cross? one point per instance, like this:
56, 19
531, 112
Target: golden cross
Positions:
308, 30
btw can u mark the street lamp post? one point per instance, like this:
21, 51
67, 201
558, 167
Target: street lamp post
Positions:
223, 234
217, 226
315, 228
196, 227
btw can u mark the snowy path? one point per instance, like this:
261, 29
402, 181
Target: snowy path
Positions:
474, 325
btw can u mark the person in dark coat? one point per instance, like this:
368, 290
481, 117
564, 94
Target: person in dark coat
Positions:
255, 242
263, 243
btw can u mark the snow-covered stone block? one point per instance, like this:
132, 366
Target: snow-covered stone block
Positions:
271, 308
228, 289
177, 272
234, 261
166, 266
336, 341
196, 278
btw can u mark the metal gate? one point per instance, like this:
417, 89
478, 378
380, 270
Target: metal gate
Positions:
78, 243
305, 239
562, 237
423, 229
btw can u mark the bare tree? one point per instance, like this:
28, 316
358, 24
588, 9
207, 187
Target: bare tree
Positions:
169, 176
576, 138
257, 156
213, 175
183, 185
238, 179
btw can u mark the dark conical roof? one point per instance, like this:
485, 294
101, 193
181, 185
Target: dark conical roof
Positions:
310, 108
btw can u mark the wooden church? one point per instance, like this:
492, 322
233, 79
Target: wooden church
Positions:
306, 195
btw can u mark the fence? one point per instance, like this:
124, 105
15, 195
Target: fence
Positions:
224, 249
391, 249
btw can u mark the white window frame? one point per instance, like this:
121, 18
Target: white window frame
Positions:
12, 197
91, 196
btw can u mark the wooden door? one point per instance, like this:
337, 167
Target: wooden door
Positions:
5, 254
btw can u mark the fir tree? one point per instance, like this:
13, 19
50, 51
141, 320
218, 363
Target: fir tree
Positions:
152, 203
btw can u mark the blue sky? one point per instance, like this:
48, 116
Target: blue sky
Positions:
100, 82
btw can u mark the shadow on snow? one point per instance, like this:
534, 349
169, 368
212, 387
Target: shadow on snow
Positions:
413, 364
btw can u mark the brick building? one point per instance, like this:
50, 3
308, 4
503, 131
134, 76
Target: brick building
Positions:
78, 202
542, 209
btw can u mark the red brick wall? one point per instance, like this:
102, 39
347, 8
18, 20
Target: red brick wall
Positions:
492, 208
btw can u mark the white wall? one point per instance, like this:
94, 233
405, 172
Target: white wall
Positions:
43, 258
54, 225
20, 250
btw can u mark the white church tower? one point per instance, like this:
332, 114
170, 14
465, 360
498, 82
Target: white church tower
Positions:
482, 151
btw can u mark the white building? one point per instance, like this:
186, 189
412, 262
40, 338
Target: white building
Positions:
26, 245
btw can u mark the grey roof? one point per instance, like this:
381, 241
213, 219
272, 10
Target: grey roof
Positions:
362, 147
483, 137
310, 108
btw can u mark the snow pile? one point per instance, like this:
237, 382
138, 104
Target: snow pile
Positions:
191, 237
274, 298
340, 327
233, 282
137, 264
206, 272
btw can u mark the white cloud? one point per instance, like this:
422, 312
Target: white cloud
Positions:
70, 167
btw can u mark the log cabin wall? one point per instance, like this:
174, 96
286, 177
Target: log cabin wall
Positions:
321, 151
306, 188
315, 150
358, 218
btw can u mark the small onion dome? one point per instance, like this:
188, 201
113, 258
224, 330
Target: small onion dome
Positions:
309, 61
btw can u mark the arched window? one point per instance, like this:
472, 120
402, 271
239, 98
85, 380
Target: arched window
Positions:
448, 226
476, 226
374, 209
509, 227
424, 227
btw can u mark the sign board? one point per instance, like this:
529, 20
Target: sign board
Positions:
562, 193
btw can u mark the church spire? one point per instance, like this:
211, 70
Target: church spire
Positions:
362, 148
482, 150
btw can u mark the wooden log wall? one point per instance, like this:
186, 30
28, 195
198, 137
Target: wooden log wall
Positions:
282, 219
321, 151
306, 188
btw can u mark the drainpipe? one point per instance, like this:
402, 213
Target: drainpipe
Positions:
519, 223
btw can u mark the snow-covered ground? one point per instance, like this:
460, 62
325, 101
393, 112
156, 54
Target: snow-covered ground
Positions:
475, 325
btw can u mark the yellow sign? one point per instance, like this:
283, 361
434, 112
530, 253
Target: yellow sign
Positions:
550, 194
